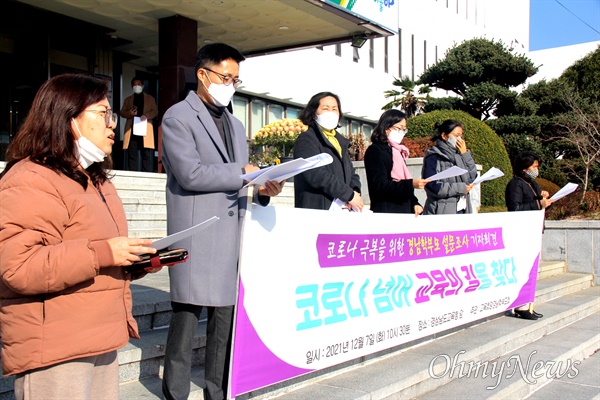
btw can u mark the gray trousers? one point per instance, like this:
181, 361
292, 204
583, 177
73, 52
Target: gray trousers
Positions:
178, 353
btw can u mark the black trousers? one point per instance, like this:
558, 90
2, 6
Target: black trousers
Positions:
136, 145
177, 373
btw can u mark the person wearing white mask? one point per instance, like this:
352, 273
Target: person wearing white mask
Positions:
318, 188
204, 155
65, 295
391, 185
136, 142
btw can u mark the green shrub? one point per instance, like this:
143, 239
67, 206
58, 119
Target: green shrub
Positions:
492, 209
487, 148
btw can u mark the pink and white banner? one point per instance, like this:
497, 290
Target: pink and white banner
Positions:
319, 288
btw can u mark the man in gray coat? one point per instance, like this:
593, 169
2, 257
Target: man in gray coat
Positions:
204, 154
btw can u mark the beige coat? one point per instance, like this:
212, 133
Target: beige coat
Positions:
60, 297
150, 111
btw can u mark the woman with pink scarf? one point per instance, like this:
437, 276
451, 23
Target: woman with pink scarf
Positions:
391, 186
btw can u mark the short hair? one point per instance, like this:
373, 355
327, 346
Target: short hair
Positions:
445, 127
50, 141
136, 78
215, 53
523, 161
386, 121
309, 113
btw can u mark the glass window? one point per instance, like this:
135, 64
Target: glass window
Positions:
367, 130
292, 112
275, 112
240, 109
258, 115
343, 129
354, 127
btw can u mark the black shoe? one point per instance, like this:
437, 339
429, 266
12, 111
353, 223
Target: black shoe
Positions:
525, 314
537, 314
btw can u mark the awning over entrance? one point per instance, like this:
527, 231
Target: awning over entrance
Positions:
255, 27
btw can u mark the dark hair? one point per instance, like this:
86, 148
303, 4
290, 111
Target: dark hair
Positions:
46, 136
386, 121
445, 127
215, 53
309, 113
523, 161
136, 78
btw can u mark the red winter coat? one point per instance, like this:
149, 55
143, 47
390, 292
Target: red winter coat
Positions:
60, 297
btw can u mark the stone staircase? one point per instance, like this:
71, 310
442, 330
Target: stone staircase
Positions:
569, 332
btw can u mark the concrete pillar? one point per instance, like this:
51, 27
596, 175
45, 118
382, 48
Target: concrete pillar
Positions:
177, 48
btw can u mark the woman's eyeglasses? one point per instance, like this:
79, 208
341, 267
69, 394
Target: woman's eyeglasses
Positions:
109, 116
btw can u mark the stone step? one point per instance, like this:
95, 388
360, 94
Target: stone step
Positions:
150, 349
547, 269
585, 385
148, 233
558, 354
560, 285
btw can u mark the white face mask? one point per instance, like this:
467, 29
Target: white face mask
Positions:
137, 89
396, 135
328, 120
452, 142
89, 153
220, 93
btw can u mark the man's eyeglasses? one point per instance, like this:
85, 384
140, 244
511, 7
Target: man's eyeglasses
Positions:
110, 117
226, 79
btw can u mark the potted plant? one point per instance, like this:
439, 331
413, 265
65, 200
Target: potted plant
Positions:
275, 141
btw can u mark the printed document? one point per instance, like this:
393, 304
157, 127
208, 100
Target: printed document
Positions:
564, 191
448, 173
139, 126
169, 240
492, 173
286, 170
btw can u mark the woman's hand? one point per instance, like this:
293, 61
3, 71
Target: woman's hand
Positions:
418, 210
126, 250
545, 194
546, 203
420, 183
356, 203
471, 186
461, 145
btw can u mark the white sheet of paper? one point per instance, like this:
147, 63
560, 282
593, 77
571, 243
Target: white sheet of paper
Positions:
564, 191
169, 240
286, 170
492, 173
338, 205
448, 173
139, 126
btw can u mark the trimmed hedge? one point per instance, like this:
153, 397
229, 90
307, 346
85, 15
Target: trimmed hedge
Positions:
485, 145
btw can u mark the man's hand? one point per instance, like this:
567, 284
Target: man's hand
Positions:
271, 188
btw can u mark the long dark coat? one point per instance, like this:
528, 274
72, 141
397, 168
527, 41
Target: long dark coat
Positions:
387, 195
318, 187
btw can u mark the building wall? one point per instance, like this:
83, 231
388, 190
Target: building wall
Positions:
297, 75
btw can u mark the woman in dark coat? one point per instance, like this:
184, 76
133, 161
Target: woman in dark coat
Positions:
450, 195
524, 194
319, 187
391, 186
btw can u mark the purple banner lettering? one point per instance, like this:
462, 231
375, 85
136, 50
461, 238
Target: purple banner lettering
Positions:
340, 250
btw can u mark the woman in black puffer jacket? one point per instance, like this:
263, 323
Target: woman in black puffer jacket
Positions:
524, 194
